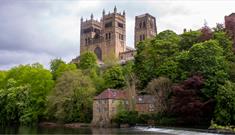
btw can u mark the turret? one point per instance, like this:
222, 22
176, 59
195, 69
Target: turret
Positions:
115, 9
92, 16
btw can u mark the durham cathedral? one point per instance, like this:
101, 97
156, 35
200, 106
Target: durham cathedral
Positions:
107, 37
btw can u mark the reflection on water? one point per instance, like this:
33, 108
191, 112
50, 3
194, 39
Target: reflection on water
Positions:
94, 131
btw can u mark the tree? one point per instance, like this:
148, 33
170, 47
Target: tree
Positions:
225, 102
54, 65
219, 28
114, 77
186, 104
152, 53
64, 67
206, 34
226, 43
169, 35
188, 39
88, 60
207, 58
169, 69
160, 88
2, 78
71, 99
35, 82
14, 103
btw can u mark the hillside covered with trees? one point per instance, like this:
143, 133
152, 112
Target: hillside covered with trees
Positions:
192, 76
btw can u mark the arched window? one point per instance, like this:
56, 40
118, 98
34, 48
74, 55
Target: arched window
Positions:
144, 25
98, 53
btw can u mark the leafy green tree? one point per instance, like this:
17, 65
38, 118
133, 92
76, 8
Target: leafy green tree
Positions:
153, 53
114, 77
226, 43
88, 60
2, 78
169, 35
35, 82
188, 39
225, 102
71, 99
54, 65
207, 58
126, 117
88, 64
14, 103
64, 67
169, 69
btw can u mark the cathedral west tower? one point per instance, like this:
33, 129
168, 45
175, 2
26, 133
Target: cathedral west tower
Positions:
145, 27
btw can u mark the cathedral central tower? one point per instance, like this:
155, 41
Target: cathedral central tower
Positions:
107, 37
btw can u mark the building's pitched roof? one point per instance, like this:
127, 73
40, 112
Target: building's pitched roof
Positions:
232, 14
111, 94
145, 99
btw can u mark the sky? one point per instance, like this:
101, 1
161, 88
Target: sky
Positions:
41, 30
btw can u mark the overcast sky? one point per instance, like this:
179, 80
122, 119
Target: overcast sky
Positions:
40, 30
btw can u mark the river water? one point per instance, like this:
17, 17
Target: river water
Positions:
99, 131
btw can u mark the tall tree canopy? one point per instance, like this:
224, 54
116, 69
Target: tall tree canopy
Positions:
71, 99
27, 87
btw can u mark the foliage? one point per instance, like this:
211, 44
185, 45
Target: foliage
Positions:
64, 67
206, 34
187, 105
2, 78
71, 99
110, 59
168, 35
219, 27
220, 127
26, 87
152, 53
160, 88
126, 117
14, 103
188, 39
54, 65
114, 77
225, 103
169, 69
225, 42
88, 60
207, 58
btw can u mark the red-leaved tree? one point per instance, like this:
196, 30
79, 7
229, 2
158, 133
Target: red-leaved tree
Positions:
187, 104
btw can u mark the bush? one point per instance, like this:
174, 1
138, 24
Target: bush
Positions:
126, 117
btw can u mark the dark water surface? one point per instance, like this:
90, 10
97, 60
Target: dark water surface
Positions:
94, 131
99, 131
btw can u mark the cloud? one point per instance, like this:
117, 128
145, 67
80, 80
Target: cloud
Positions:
40, 30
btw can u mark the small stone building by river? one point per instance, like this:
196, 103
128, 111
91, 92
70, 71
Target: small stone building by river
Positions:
106, 105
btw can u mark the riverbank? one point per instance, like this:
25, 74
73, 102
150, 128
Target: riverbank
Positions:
66, 125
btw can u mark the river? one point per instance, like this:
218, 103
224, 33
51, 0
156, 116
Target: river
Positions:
94, 131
